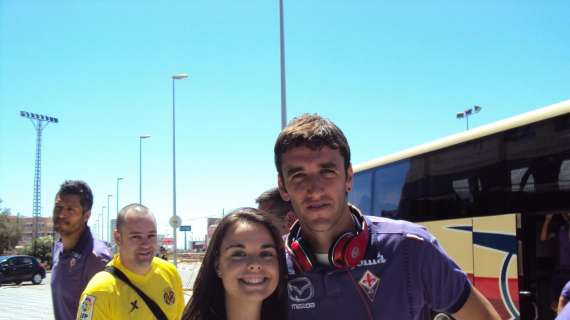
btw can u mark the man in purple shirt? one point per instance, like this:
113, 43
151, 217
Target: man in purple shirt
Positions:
564, 297
77, 256
344, 265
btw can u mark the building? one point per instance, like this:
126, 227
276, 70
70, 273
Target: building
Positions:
27, 224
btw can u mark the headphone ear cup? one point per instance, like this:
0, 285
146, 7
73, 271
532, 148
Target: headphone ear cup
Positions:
355, 250
338, 249
301, 257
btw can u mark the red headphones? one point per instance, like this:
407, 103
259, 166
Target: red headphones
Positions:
346, 252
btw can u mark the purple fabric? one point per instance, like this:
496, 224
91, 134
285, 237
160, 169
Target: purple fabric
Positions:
564, 247
415, 276
566, 291
565, 313
72, 271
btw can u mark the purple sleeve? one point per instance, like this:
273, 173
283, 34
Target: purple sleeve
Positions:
566, 291
445, 285
565, 313
97, 261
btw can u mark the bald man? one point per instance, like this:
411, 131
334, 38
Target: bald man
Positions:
109, 296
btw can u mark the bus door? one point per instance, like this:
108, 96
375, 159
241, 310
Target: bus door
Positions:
540, 263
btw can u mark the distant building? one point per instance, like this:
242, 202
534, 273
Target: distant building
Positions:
113, 227
28, 225
212, 225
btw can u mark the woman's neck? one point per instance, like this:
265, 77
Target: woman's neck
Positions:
242, 310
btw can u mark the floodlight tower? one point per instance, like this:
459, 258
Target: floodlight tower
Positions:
39, 121
468, 112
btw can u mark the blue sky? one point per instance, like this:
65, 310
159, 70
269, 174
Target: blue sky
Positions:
390, 75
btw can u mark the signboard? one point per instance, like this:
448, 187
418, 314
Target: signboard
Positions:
175, 221
185, 228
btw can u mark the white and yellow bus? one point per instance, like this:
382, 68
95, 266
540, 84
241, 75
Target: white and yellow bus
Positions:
484, 194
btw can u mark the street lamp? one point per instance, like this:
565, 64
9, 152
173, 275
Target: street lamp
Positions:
179, 76
468, 112
282, 55
140, 165
118, 179
108, 220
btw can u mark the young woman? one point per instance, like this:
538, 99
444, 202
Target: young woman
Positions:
243, 275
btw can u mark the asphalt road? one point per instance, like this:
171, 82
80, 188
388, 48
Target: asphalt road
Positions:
33, 302
26, 301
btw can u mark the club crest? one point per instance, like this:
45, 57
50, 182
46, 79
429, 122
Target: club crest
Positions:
369, 284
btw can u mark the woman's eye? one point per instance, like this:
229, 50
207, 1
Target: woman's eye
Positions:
238, 254
267, 254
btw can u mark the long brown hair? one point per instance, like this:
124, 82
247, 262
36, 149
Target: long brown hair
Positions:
208, 298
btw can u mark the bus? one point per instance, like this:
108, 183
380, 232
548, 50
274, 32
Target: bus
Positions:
484, 193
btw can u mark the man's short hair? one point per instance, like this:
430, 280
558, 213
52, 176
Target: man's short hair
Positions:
77, 188
136, 207
314, 132
272, 202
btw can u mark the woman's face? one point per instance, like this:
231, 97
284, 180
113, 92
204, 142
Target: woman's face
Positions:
248, 263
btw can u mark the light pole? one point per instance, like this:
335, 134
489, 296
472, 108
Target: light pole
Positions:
39, 121
102, 222
282, 54
140, 165
468, 112
108, 220
118, 179
179, 76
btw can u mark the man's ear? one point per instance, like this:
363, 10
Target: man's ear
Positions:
86, 216
117, 236
349, 176
282, 189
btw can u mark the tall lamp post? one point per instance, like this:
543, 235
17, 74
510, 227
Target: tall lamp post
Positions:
179, 76
39, 121
140, 165
108, 220
282, 55
102, 222
468, 112
118, 179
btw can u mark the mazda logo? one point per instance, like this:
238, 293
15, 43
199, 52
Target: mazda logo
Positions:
300, 289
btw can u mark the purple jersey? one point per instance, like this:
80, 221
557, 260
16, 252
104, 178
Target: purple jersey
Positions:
565, 313
72, 270
405, 274
566, 291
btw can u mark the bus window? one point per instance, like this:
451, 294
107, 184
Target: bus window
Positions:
564, 176
388, 184
361, 192
461, 187
517, 181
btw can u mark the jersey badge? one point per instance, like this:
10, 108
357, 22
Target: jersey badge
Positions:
301, 291
168, 296
86, 308
369, 284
